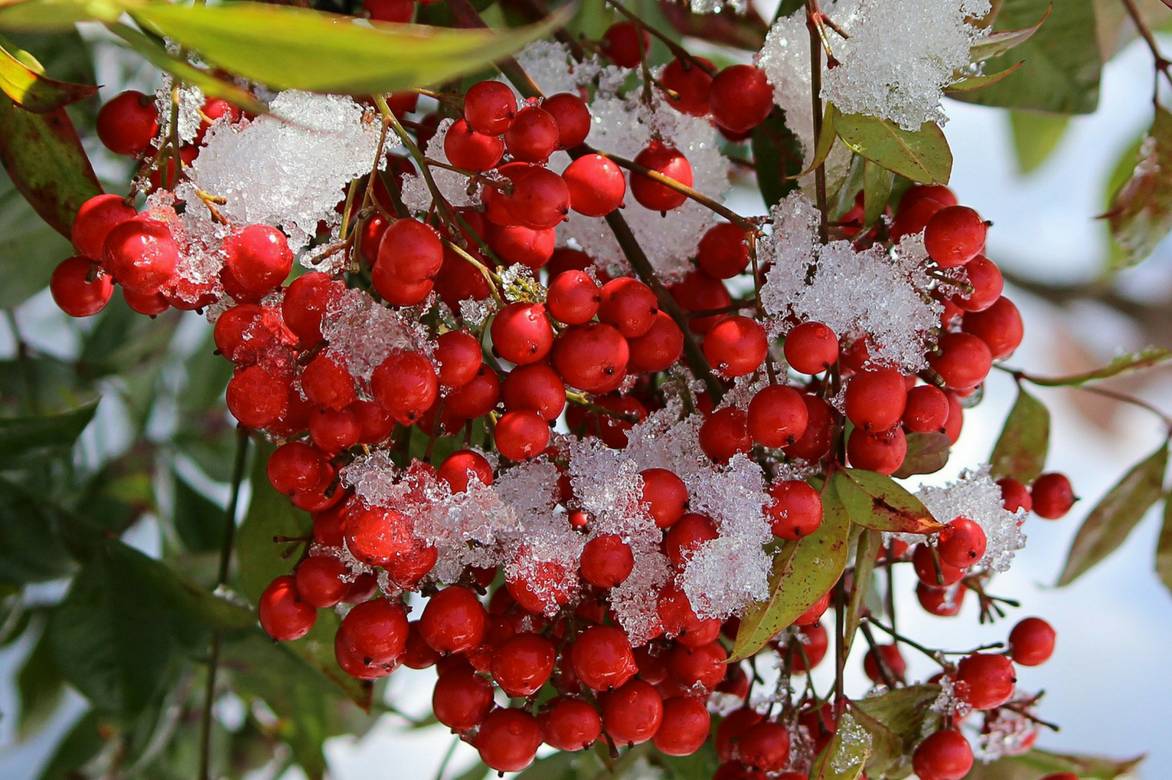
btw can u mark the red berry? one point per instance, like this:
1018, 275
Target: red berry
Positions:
962, 360
540, 198
533, 135
999, 326
461, 700
961, 543
691, 83
395, 11
1014, 495
699, 291
476, 398
1052, 495
489, 106
521, 333
536, 388
945, 755
128, 123
463, 467
628, 305
410, 250
508, 739
954, 235
808, 648
333, 431
572, 117
725, 433
521, 435
601, 658
570, 724
304, 305
597, 185
882, 452
459, 356
701, 666
258, 259
520, 244
875, 400
659, 348
985, 681
328, 384
319, 580
668, 162
926, 409
573, 297
723, 251
257, 398
941, 602
633, 713
141, 254
664, 495
741, 97
884, 663
406, 385
94, 221
470, 150
811, 348
1031, 642
296, 466
933, 571
684, 727
522, 664
764, 746
606, 561
283, 614
79, 287
591, 357
626, 43
986, 281
374, 535
795, 510
736, 346
453, 620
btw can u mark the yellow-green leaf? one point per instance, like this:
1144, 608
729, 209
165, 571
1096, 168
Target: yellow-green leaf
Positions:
897, 721
1037, 763
32, 90
921, 155
1035, 137
973, 83
803, 572
878, 502
298, 48
55, 15
1114, 517
1164, 547
1021, 448
825, 140
877, 184
866, 551
845, 755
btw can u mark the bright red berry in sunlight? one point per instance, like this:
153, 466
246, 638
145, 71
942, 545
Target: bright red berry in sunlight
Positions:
961, 543
453, 620
664, 495
999, 326
464, 467
601, 657
606, 561
459, 356
533, 135
633, 713
522, 664
1052, 495
954, 235
985, 681
736, 346
283, 614
1031, 642
684, 727
80, 288
626, 43
406, 385
94, 221
740, 97
795, 509
946, 755
723, 251
659, 348
521, 435
811, 348
489, 107
725, 433
591, 357
256, 397
597, 185
573, 297
691, 83
508, 739
777, 416
926, 409
572, 117
628, 305
876, 399
962, 360
258, 258
141, 254
570, 724
319, 580
470, 150
461, 700
410, 250
667, 162
128, 123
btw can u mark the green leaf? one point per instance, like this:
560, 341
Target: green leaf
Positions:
55, 15
897, 721
1003, 39
1020, 451
31, 546
32, 90
127, 622
803, 571
845, 755
1116, 514
922, 155
29, 248
259, 559
1035, 137
40, 688
1164, 547
83, 742
1140, 215
877, 183
927, 453
866, 550
1123, 364
983, 81
777, 155
878, 502
826, 137
297, 48
1062, 60
1036, 763
43, 155
198, 521
21, 436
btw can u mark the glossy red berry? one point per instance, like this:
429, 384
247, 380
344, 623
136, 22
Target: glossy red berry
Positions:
984, 277
94, 221
795, 509
597, 185
573, 297
740, 98
962, 360
319, 581
570, 724
1053, 495
591, 357
80, 288
811, 348
297, 466
453, 620
284, 615
723, 251
659, 348
327, 383
464, 467
666, 161
633, 713
521, 333
377, 629
465, 148
489, 107
406, 385
602, 659
954, 235
665, 495
926, 409
684, 727
736, 346
521, 435
257, 398
999, 326
606, 561
946, 755
533, 135
410, 250
961, 543
508, 739
884, 664
141, 254
626, 43
764, 746
572, 117
304, 304
461, 700
374, 535
985, 681
1031, 642
459, 356
128, 123
882, 452
258, 259
725, 433
522, 664
933, 571
691, 84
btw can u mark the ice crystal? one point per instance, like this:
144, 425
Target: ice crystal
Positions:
948, 702
976, 496
1006, 733
873, 293
553, 68
373, 477
288, 168
716, 6
453, 185
361, 333
187, 107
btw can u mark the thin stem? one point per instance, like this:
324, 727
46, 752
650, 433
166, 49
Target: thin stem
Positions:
816, 106
839, 648
205, 727
1162, 64
447, 759
1115, 395
935, 655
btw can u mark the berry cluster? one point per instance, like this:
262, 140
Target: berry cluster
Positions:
597, 550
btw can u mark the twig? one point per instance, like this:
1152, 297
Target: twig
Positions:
816, 106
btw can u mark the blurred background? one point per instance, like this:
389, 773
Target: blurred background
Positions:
1108, 684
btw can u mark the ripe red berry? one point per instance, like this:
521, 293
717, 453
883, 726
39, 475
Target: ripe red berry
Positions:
1031, 642
985, 681
740, 98
626, 43
659, 348
962, 543
533, 135
628, 305
453, 620
933, 571
884, 663
570, 724
540, 197
962, 360
606, 561
573, 297
459, 356
723, 251
664, 495
811, 348
258, 259
508, 739
777, 416
521, 435
795, 510
465, 148
691, 83
820, 426
297, 466
128, 123
764, 746
1052, 495
257, 398
666, 161
736, 346
941, 602
601, 658
476, 398
328, 384
522, 664
986, 281
875, 400
410, 250
926, 409
1014, 495
461, 699
572, 117
999, 326
141, 254
79, 287
334, 430
395, 11
808, 648
463, 467
882, 452
536, 388
701, 666
730, 729
597, 185
725, 433
489, 107
94, 221
633, 713
406, 385
954, 235
684, 727
283, 614
319, 580
945, 755
591, 357
304, 304
521, 333
520, 244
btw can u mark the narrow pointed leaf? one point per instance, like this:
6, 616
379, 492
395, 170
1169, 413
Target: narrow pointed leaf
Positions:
1001, 41
297, 48
1164, 547
877, 183
866, 550
1114, 517
803, 571
1021, 448
921, 155
825, 140
1036, 763
878, 502
42, 154
20, 436
32, 90
973, 83
777, 156
55, 15
1140, 214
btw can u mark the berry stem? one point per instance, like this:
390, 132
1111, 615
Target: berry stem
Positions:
205, 727
1161, 63
812, 14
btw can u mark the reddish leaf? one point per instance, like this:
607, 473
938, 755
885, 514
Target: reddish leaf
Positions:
1021, 448
927, 453
878, 502
32, 90
1141, 210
